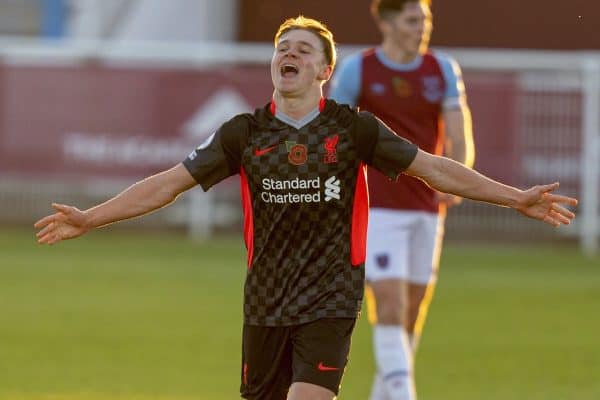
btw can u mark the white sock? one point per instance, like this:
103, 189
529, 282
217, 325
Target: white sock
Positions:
393, 357
378, 391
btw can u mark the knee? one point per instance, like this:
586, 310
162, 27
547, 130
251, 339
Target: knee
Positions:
390, 298
390, 312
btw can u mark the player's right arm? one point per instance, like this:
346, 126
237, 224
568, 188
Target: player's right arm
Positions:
214, 160
141, 198
456, 115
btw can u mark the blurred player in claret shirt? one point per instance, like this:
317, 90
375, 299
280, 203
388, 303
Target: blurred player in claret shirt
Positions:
302, 161
420, 95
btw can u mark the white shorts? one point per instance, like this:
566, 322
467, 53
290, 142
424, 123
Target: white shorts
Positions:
403, 245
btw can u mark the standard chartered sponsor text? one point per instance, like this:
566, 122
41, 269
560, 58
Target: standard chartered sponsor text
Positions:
296, 183
269, 185
291, 197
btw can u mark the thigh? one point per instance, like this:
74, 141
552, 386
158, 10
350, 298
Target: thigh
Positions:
387, 245
266, 362
426, 245
320, 352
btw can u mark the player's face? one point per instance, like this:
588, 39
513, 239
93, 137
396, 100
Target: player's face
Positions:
410, 29
298, 62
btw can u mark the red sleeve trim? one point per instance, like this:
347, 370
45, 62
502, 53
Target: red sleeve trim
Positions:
360, 219
248, 217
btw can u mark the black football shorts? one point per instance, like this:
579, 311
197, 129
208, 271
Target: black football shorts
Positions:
275, 357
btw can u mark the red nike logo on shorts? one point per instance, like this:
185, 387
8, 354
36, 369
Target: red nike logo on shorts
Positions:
260, 152
322, 367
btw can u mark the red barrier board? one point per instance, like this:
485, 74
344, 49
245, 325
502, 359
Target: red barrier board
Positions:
90, 120
82, 121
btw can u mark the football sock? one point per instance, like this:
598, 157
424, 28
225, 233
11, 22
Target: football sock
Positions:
393, 357
378, 391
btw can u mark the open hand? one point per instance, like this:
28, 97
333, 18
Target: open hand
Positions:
67, 223
538, 202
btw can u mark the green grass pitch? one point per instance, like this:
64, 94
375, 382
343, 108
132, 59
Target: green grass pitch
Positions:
125, 316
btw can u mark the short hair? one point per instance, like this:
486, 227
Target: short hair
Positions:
383, 8
316, 27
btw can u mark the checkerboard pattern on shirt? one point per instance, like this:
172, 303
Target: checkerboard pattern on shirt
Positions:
301, 269
305, 205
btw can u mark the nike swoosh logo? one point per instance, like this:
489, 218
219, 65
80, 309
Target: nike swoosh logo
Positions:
261, 152
322, 367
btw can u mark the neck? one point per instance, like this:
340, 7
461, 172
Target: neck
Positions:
297, 106
397, 54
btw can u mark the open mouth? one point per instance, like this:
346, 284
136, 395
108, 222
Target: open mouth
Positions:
289, 70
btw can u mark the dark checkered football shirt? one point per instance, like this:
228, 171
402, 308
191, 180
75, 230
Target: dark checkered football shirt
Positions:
304, 198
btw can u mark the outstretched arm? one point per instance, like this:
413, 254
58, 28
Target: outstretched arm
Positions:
141, 198
449, 176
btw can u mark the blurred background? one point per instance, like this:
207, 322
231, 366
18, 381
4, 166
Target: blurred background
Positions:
96, 94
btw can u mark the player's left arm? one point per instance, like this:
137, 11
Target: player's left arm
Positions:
449, 176
383, 149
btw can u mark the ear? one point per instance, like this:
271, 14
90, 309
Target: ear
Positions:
383, 24
325, 73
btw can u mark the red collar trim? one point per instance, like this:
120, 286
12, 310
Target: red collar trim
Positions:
273, 107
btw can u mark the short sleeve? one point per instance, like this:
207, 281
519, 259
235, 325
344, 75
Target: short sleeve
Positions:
345, 84
382, 148
220, 155
455, 96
